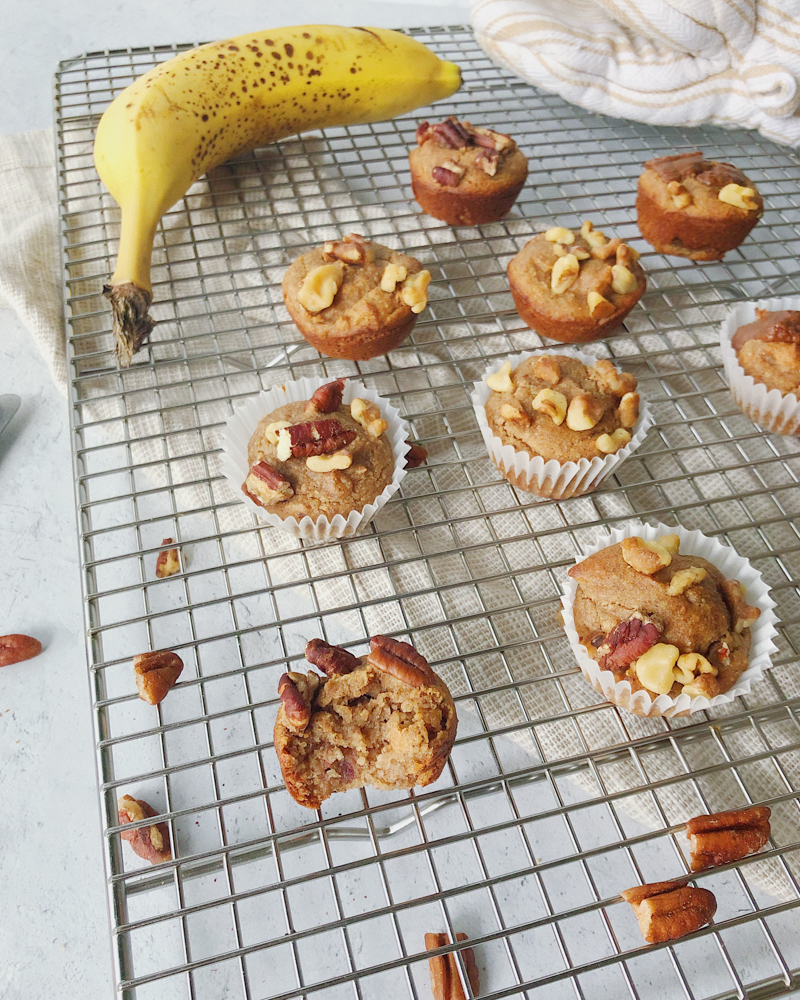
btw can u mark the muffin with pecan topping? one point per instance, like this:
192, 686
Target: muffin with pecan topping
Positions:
385, 719
321, 456
464, 174
355, 299
691, 207
667, 623
575, 286
558, 424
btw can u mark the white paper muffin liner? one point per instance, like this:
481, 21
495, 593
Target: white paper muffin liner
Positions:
241, 425
553, 479
732, 566
766, 407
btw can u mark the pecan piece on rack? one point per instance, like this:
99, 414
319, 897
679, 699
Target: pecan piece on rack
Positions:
327, 398
149, 842
168, 562
16, 648
316, 437
416, 455
331, 660
670, 910
265, 485
399, 659
297, 709
727, 836
445, 981
156, 673
627, 642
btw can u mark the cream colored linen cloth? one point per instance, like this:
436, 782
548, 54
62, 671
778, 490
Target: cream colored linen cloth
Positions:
668, 62
29, 261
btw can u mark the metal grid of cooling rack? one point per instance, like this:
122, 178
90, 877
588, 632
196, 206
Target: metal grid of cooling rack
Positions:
553, 800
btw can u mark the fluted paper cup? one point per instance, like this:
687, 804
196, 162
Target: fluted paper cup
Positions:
552, 479
732, 566
235, 467
766, 407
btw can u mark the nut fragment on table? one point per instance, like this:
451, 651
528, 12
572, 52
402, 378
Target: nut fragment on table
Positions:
16, 647
445, 979
416, 455
149, 842
156, 673
719, 838
667, 911
168, 562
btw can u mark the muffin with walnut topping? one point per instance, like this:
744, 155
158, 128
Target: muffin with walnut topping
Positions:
688, 206
464, 174
663, 627
355, 299
575, 285
557, 424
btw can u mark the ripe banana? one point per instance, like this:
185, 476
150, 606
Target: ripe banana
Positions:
212, 103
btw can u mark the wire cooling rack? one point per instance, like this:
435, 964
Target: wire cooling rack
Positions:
553, 801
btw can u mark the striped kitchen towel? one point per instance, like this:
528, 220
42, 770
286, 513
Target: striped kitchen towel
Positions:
668, 62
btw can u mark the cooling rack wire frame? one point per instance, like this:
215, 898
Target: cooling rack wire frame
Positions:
553, 801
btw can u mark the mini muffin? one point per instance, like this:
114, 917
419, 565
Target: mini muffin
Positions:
575, 286
555, 424
760, 344
355, 299
315, 457
667, 623
691, 207
464, 174
385, 719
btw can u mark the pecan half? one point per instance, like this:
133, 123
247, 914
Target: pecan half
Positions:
670, 910
168, 562
265, 485
331, 660
316, 437
416, 456
727, 836
399, 659
149, 842
156, 672
445, 981
448, 173
487, 161
327, 398
450, 133
627, 642
298, 711
16, 648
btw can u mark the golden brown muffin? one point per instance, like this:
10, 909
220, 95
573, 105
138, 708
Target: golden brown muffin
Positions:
768, 349
319, 457
666, 622
555, 407
691, 207
575, 286
385, 720
355, 299
464, 174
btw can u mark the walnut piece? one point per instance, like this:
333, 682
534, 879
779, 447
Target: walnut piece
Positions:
584, 412
369, 416
149, 842
680, 196
593, 236
547, 369
392, 275
553, 403
265, 485
511, 412
272, 430
670, 910
156, 673
168, 562
610, 380
629, 409
739, 197
558, 234
743, 615
623, 280
500, 381
353, 249
610, 444
654, 668
684, 579
564, 274
338, 460
445, 980
320, 286
15, 648
720, 838
414, 291
643, 556
599, 306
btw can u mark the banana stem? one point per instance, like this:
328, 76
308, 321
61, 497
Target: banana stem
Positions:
129, 319
130, 291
